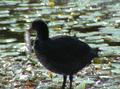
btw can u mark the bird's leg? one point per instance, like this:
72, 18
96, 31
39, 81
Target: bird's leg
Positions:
71, 80
64, 81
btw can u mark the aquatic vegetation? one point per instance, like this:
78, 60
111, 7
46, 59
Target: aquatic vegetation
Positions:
72, 18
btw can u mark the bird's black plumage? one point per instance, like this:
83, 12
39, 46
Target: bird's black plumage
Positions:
65, 55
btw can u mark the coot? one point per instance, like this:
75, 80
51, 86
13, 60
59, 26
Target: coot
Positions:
64, 55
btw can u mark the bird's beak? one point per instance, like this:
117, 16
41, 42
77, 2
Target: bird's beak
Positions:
30, 30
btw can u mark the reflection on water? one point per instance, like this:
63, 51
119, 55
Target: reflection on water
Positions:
95, 22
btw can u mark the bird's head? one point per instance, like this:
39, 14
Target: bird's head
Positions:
40, 27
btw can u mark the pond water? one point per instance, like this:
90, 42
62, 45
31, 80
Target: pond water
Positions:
95, 22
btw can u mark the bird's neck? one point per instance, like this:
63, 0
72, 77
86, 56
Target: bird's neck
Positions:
43, 36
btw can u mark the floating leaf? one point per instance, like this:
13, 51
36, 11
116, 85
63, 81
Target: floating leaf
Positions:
81, 86
116, 71
8, 40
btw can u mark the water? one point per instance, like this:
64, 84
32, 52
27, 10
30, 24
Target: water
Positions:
95, 22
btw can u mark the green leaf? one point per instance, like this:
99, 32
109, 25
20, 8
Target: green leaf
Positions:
81, 86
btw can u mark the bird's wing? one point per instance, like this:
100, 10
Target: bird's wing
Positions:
66, 49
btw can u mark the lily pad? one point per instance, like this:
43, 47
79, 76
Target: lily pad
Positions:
56, 23
8, 40
116, 71
10, 54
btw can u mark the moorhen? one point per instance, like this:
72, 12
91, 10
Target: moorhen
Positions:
64, 55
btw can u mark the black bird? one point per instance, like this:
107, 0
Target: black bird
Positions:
64, 55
